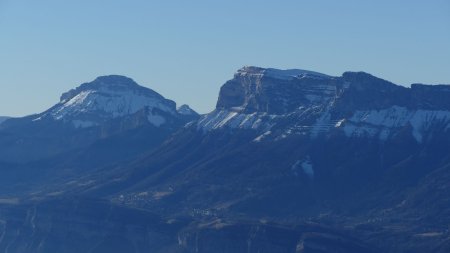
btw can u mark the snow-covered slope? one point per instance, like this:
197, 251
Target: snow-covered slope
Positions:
383, 123
279, 103
107, 98
111, 115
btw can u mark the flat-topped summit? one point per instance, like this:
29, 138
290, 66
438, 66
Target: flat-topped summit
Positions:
255, 89
278, 73
310, 103
110, 84
115, 80
275, 91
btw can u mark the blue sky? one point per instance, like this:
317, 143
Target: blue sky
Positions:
186, 50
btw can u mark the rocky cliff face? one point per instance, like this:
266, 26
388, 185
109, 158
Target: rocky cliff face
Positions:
274, 91
278, 103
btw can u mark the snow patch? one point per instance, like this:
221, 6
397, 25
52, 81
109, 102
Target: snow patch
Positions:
262, 136
230, 119
381, 123
339, 123
109, 103
306, 167
290, 74
156, 120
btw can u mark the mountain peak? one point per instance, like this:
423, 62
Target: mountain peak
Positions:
255, 89
108, 97
113, 80
186, 110
109, 83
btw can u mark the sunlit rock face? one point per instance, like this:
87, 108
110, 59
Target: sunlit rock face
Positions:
305, 102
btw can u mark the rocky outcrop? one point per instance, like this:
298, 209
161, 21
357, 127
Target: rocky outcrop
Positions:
278, 92
274, 91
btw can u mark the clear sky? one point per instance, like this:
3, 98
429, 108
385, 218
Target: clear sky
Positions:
186, 50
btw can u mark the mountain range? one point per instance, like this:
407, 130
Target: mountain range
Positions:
288, 161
